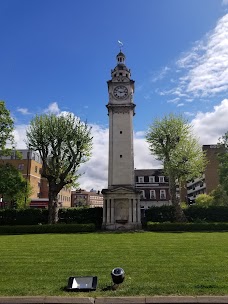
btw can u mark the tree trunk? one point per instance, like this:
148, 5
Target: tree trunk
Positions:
179, 215
53, 206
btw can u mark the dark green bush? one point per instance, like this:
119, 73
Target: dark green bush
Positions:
23, 216
152, 226
207, 214
193, 213
160, 214
36, 216
82, 216
37, 229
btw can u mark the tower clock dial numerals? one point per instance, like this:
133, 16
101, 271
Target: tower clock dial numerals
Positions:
120, 92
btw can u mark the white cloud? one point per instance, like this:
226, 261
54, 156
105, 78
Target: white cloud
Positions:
53, 108
95, 171
143, 158
206, 65
209, 126
161, 74
189, 113
20, 136
23, 111
180, 105
224, 2
174, 100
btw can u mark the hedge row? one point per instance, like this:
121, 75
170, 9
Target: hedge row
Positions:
152, 226
193, 214
38, 229
82, 216
40, 216
23, 216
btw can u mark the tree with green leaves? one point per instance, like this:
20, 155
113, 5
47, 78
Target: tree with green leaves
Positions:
204, 200
64, 143
172, 142
6, 129
13, 187
220, 196
223, 161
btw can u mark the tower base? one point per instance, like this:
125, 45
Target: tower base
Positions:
121, 210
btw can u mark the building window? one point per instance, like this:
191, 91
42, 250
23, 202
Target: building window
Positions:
141, 179
143, 194
162, 194
161, 179
121, 155
152, 194
21, 167
121, 132
36, 169
151, 179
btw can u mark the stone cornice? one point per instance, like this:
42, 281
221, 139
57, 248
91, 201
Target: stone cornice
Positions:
121, 108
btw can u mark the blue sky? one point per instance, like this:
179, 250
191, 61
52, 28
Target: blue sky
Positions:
57, 55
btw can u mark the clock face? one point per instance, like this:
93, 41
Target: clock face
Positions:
120, 92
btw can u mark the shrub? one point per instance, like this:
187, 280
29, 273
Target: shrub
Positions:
35, 216
193, 213
209, 214
82, 216
23, 216
151, 226
37, 229
204, 200
160, 214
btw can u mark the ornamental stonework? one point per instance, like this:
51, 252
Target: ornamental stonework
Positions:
121, 109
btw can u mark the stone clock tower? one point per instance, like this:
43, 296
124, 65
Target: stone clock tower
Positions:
121, 200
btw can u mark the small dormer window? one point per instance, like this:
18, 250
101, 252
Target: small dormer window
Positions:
161, 179
141, 179
151, 179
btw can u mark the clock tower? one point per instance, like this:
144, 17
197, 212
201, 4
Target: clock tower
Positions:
121, 200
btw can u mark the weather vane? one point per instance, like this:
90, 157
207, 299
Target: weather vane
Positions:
120, 44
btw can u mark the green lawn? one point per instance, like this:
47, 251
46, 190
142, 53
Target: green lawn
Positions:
154, 263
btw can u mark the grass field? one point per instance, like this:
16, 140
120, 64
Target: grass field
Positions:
154, 263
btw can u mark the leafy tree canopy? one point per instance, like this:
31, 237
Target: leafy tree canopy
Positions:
172, 142
220, 197
64, 143
13, 186
223, 161
6, 129
204, 200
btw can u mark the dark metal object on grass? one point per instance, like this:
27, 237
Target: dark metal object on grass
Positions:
88, 283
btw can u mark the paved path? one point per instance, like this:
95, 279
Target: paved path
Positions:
116, 300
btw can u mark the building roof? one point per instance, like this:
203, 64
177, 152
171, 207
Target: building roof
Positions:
148, 172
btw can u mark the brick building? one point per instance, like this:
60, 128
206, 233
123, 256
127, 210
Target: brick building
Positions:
210, 178
154, 188
84, 198
30, 165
